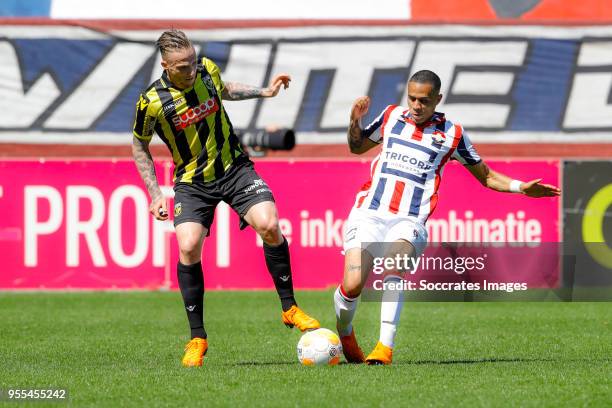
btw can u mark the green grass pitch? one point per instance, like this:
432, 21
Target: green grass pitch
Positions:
124, 349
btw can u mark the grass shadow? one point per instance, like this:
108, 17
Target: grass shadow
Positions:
473, 361
499, 360
436, 362
264, 363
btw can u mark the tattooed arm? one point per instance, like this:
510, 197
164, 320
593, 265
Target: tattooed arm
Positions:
235, 91
359, 144
146, 168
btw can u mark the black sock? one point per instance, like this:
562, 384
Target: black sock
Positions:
279, 266
191, 282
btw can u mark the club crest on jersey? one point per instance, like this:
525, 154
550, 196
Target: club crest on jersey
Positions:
210, 85
178, 209
195, 114
438, 137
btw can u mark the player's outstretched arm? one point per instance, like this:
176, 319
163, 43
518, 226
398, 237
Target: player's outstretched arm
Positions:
235, 91
500, 182
357, 141
146, 168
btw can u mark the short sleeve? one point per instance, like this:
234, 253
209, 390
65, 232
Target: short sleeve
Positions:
215, 74
370, 130
465, 152
145, 120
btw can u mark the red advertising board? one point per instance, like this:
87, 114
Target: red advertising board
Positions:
85, 224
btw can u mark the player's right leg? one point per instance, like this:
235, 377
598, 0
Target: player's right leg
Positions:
391, 305
361, 229
194, 209
405, 238
357, 264
190, 237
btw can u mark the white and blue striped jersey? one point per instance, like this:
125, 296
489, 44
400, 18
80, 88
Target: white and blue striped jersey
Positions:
406, 174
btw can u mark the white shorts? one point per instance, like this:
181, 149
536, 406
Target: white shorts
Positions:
366, 227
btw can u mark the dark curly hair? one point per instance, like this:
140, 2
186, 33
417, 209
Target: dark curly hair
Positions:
427, 77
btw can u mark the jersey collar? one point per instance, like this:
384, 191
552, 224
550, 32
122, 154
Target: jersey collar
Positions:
436, 119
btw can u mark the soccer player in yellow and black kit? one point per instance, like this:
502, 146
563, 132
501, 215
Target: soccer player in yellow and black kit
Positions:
184, 107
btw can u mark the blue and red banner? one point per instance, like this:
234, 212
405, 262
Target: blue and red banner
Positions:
62, 83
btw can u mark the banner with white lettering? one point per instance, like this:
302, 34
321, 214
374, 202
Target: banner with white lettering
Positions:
85, 224
68, 84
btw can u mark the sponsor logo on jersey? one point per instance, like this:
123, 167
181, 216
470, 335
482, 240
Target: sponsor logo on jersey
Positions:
256, 183
404, 158
195, 114
168, 107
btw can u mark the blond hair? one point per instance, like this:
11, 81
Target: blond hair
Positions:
172, 40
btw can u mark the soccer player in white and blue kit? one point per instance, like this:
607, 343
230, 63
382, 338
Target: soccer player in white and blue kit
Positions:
394, 205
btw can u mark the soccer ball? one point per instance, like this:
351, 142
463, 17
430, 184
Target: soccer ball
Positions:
319, 347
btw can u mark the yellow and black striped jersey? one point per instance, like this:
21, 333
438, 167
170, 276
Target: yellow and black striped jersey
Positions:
192, 123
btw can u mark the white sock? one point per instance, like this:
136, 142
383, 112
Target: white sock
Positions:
345, 311
390, 311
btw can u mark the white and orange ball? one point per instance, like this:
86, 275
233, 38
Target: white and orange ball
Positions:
319, 347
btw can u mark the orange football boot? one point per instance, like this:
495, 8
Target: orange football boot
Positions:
195, 351
350, 348
381, 355
296, 317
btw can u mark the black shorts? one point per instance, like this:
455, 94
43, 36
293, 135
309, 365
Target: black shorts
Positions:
240, 187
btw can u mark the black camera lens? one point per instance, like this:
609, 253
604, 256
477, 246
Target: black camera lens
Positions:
280, 139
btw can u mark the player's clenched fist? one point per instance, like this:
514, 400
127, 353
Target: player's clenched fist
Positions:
360, 107
159, 209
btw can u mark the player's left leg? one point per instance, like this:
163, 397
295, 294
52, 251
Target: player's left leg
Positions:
263, 217
391, 305
246, 192
408, 238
